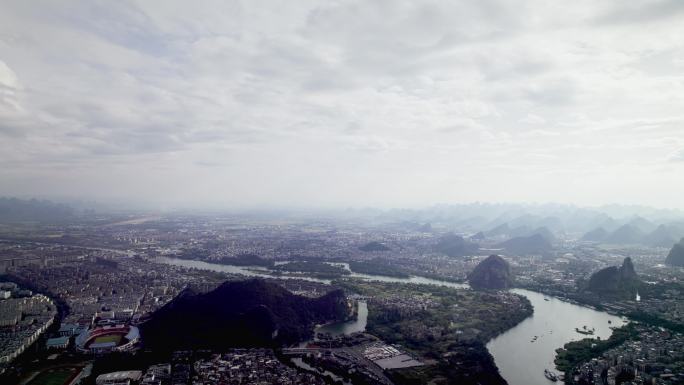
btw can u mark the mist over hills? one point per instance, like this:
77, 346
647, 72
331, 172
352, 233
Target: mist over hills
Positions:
596, 235
33, 210
506, 231
619, 225
676, 255
514, 227
645, 225
664, 235
557, 217
626, 234
533, 244
455, 246
614, 224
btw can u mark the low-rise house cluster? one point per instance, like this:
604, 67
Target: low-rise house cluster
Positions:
157, 375
405, 304
656, 357
249, 366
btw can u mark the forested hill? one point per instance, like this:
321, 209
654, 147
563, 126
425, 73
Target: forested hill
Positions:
240, 314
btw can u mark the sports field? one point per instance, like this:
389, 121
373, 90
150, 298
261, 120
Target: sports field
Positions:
116, 338
56, 376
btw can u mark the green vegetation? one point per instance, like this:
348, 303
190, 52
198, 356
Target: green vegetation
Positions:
240, 314
56, 376
443, 325
613, 281
576, 352
377, 267
110, 338
652, 319
374, 246
457, 316
492, 273
661, 290
468, 363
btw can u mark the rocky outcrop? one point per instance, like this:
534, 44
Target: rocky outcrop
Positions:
534, 244
620, 281
676, 255
492, 273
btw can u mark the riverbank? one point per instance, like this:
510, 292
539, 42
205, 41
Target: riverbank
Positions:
536, 339
520, 361
443, 325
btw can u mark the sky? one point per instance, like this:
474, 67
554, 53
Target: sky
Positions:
343, 103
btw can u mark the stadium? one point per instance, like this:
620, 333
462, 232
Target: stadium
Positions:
110, 338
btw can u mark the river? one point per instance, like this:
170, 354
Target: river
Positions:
521, 361
520, 357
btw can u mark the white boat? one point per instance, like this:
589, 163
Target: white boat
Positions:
550, 375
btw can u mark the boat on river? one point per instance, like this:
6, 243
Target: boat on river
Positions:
585, 331
550, 375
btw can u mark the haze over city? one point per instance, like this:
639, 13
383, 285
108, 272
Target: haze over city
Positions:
349, 103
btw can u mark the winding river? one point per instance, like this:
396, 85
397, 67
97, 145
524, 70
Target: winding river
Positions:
521, 353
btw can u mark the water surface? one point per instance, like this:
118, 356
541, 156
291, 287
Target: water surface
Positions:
522, 361
520, 357
348, 327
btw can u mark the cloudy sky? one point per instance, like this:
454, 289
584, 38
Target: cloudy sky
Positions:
343, 103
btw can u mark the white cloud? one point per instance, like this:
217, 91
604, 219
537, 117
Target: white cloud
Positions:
677, 156
532, 119
9, 86
287, 97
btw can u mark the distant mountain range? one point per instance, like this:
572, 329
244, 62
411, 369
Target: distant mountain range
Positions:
479, 236
533, 244
625, 234
506, 231
630, 234
596, 235
240, 314
490, 222
558, 218
676, 255
456, 246
33, 210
